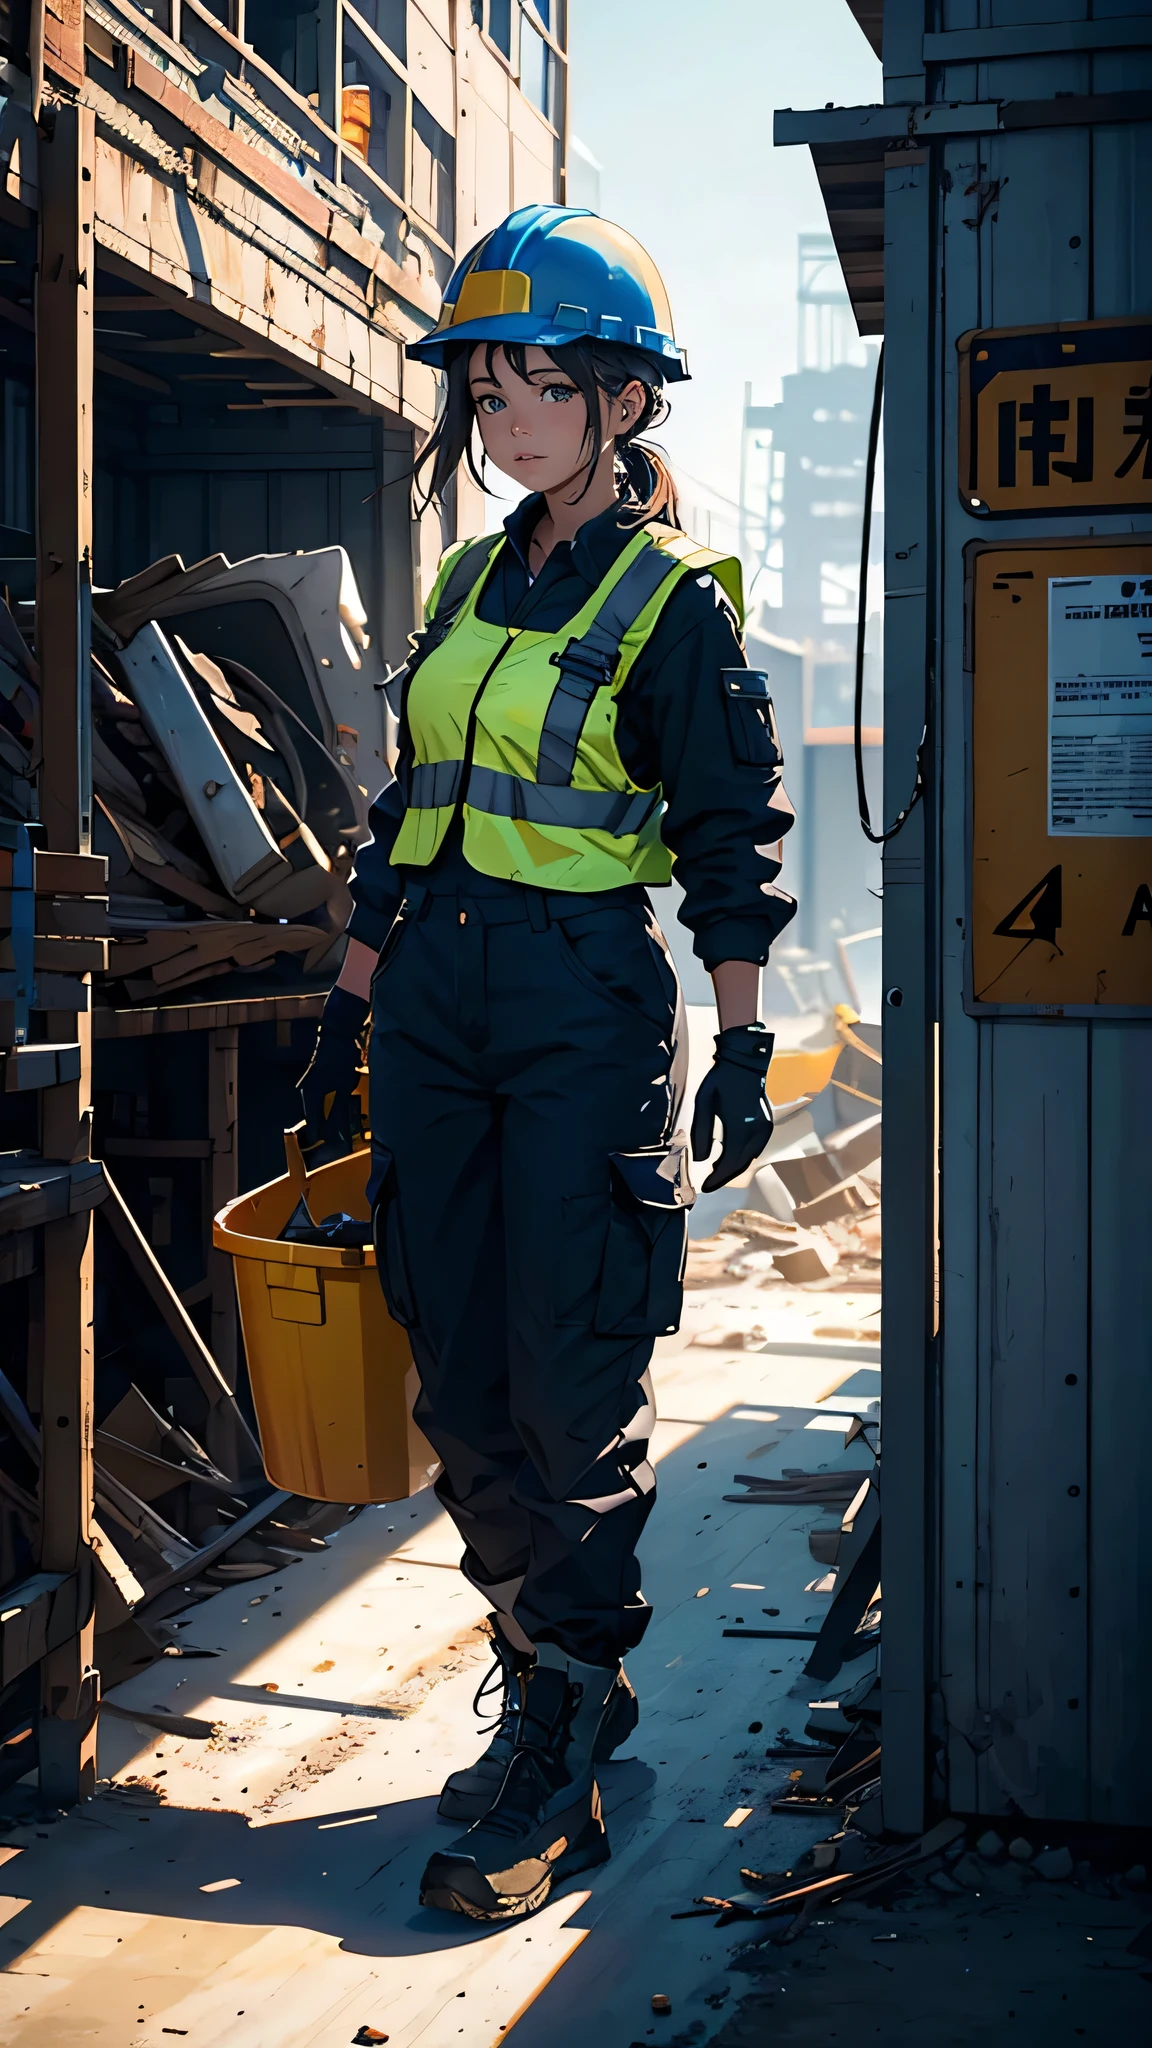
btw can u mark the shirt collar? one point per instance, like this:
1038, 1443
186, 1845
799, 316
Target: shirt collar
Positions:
596, 546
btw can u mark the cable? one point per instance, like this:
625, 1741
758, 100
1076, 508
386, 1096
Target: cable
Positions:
876, 838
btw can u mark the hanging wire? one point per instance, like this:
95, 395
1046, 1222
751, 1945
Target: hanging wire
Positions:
876, 838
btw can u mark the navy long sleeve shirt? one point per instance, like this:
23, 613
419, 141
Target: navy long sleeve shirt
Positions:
677, 725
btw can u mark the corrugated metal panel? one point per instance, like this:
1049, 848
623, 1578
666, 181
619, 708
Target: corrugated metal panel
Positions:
1120, 1423
1040, 1612
1034, 1367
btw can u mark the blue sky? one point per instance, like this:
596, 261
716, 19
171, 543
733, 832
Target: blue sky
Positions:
675, 98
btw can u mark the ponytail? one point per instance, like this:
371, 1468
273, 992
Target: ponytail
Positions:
649, 490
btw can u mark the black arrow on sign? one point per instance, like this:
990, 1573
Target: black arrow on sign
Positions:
1141, 911
1042, 904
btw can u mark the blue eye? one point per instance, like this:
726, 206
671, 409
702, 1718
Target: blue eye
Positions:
557, 394
490, 403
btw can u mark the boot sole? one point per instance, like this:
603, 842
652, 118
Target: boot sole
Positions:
448, 1897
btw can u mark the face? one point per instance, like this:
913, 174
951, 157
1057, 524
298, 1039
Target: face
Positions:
536, 431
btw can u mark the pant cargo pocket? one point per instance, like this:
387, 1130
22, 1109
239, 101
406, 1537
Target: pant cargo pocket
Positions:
642, 1281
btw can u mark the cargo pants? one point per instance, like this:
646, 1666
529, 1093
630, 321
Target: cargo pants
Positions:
522, 1042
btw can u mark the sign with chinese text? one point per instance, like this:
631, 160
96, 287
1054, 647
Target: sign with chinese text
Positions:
1057, 419
1060, 907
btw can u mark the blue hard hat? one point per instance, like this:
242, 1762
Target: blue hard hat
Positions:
552, 274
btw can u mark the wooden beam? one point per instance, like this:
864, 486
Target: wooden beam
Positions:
148, 1023
19, 316
217, 1547
175, 1316
63, 39
264, 173
65, 275
110, 366
64, 497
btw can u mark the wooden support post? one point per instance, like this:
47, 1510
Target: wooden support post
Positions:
64, 503
66, 277
224, 1184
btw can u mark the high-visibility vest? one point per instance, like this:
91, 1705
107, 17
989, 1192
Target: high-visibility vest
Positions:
516, 729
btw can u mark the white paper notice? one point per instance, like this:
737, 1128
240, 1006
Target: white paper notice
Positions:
1100, 707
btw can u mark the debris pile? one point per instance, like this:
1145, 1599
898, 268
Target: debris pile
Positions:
853, 1864
237, 734
173, 1521
832, 1194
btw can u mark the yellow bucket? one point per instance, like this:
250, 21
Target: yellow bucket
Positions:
332, 1375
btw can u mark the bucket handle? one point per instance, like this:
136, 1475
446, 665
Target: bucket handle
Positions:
297, 1171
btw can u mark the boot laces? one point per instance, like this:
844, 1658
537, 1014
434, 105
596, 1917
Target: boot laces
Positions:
535, 1772
497, 1680
528, 1785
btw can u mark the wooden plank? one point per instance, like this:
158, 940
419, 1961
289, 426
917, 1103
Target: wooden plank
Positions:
71, 874
35, 1614
65, 279
63, 39
19, 316
262, 172
147, 1022
209, 1552
172, 1310
64, 426
69, 1682
116, 1583
156, 1148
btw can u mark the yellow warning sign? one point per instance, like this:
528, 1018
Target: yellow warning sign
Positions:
1056, 419
1060, 917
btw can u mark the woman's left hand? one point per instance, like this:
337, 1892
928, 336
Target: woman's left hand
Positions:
735, 1092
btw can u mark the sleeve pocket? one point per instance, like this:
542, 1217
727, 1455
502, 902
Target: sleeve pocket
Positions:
751, 720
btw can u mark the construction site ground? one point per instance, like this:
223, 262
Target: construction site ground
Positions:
248, 1875
258, 1888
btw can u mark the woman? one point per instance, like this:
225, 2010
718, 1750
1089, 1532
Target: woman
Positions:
576, 712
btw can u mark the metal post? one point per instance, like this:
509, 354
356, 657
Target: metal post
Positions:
66, 276
908, 1564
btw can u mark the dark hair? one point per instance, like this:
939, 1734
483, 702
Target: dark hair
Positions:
646, 481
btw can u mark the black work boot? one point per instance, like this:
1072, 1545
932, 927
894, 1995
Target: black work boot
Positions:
545, 1822
468, 1794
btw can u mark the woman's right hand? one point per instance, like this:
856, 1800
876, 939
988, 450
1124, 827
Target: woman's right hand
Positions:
327, 1086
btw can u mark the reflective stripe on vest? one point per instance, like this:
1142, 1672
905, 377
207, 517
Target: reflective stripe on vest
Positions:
589, 663
527, 755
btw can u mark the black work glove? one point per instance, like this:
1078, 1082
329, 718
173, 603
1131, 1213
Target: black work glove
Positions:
735, 1090
331, 1110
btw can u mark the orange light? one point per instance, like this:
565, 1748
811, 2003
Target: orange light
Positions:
356, 118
